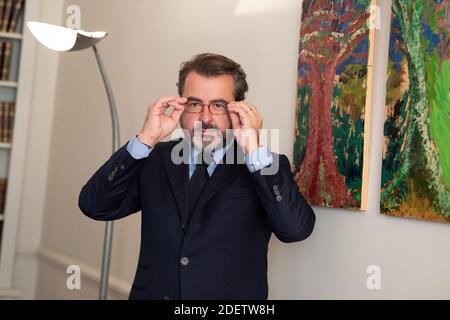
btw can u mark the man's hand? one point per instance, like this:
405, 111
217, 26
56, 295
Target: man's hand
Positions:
246, 123
159, 125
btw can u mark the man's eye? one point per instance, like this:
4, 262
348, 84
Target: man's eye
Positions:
219, 105
193, 104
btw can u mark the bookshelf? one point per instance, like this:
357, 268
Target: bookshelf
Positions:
17, 53
10, 35
11, 28
8, 84
5, 145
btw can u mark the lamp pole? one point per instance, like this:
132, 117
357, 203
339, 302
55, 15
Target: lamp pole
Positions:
59, 38
107, 243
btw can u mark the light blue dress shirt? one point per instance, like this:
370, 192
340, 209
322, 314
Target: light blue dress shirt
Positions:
258, 159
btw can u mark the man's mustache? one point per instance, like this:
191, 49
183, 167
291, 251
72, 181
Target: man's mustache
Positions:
205, 126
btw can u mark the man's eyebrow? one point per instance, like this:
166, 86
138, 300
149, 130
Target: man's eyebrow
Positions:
194, 99
212, 101
219, 100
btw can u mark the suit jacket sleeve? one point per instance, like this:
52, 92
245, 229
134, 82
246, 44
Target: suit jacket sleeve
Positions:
289, 215
112, 192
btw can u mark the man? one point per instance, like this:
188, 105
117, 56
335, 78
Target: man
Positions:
205, 224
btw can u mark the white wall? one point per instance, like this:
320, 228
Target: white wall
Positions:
147, 42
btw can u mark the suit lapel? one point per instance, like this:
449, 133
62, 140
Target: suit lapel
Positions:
222, 176
178, 175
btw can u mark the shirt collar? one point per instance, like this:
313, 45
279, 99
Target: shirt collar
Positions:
216, 154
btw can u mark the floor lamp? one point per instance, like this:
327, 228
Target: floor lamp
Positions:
64, 39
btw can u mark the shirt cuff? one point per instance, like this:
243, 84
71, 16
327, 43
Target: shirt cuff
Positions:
137, 149
258, 159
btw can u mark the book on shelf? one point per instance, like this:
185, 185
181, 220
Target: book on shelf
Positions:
7, 114
12, 26
2, 11
2, 60
6, 15
11, 116
10, 11
3, 183
4, 123
6, 57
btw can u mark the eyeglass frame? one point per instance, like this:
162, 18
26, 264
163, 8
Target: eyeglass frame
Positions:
203, 105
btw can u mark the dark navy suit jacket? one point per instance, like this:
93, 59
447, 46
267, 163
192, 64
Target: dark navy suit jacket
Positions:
222, 252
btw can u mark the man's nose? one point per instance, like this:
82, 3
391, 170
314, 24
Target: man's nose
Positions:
206, 114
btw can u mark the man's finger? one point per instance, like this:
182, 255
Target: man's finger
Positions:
252, 107
164, 100
160, 106
235, 121
243, 113
244, 105
181, 100
176, 105
176, 114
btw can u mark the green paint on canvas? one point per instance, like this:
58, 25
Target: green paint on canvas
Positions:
416, 159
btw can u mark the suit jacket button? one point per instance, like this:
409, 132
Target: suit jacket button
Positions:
184, 261
122, 167
166, 298
279, 198
111, 177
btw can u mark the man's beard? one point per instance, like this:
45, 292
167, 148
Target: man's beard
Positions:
209, 140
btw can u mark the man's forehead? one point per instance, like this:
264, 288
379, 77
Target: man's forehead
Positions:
209, 88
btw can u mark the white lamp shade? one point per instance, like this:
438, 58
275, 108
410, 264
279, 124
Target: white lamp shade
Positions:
64, 39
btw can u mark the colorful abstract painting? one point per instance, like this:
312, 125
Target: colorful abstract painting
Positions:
334, 80
416, 154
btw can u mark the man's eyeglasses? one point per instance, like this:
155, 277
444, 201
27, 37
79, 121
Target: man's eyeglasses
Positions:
218, 107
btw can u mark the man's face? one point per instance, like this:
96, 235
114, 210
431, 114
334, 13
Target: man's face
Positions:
205, 90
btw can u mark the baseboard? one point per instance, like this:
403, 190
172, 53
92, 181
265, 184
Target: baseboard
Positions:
117, 287
10, 294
